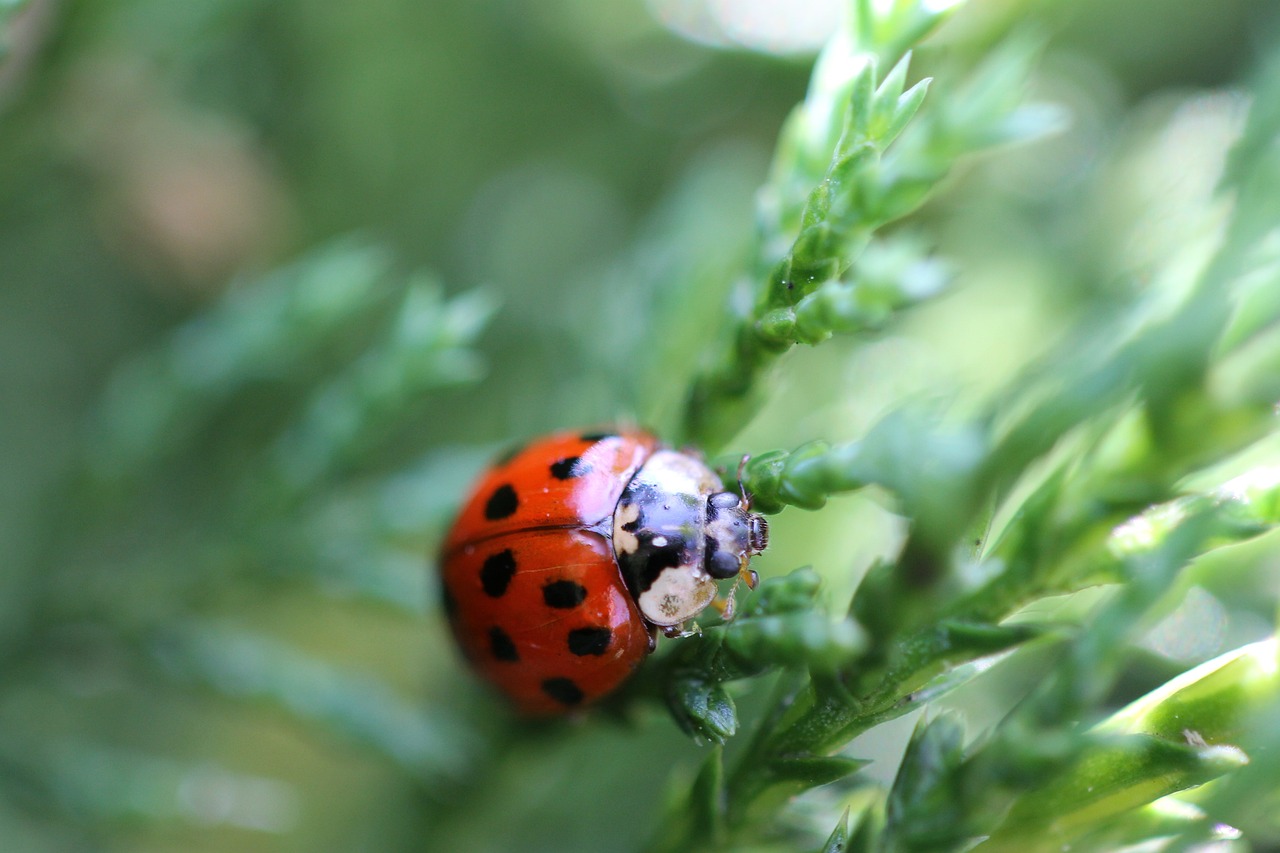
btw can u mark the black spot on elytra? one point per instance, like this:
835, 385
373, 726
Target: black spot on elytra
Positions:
563, 690
567, 469
501, 646
593, 437
589, 641
497, 571
502, 503
564, 595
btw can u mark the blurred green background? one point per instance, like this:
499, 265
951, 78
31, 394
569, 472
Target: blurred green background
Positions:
201, 651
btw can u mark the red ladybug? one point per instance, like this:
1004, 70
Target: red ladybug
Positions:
572, 552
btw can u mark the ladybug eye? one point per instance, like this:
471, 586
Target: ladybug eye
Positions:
724, 500
722, 564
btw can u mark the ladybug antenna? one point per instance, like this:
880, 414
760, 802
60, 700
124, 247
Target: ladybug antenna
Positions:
742, 489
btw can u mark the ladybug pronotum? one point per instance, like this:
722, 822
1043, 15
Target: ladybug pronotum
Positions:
573, 552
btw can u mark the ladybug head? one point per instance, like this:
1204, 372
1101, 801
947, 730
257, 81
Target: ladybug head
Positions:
733, 535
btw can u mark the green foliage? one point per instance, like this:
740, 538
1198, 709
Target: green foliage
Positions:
839, 840
8, 11
783, 627
1025, 458
921, 619
839, 178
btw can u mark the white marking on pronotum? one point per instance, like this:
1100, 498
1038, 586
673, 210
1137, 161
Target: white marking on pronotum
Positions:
677, 594
624, 541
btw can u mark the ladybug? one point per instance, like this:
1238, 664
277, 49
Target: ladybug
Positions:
573, 552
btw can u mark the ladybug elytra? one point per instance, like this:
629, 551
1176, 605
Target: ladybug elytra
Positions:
573, 552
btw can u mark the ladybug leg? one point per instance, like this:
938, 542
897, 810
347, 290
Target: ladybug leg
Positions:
653, 638
678, 632
726, 606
